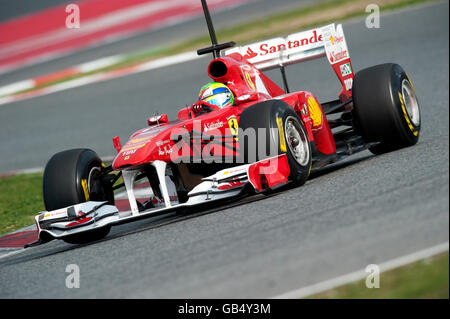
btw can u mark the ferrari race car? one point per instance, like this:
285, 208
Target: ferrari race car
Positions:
269, 137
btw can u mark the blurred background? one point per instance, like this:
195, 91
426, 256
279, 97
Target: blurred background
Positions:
35, 32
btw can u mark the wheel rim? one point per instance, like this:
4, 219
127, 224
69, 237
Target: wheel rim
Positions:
411, 103
297, 140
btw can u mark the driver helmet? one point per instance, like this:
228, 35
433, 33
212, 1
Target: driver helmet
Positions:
216, 93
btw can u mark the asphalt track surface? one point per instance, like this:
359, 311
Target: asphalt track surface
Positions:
366, 210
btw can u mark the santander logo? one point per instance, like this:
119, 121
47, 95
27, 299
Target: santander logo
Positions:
270, 47
338, 56
250, 54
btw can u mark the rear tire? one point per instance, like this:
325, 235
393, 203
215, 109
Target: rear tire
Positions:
386, 109
72, 177
284, 134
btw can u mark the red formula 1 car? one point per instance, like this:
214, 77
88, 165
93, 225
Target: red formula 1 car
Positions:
268, 138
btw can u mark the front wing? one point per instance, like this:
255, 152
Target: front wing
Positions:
266, 174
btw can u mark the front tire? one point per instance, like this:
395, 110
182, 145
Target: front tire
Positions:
283, 132
386, 109
72, 177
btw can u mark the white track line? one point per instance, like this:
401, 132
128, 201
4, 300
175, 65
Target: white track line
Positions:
361, 274
17, 87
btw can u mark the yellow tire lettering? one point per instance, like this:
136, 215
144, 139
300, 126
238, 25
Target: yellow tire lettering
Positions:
405, 114
281, 132
85, 189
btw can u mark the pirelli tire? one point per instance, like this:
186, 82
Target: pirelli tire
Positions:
276, 123
386, 108
72, 177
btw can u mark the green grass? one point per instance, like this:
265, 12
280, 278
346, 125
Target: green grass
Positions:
20, 201
424, 279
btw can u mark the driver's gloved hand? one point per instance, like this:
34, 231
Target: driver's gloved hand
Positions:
202, 107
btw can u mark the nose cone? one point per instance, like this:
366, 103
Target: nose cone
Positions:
139, 148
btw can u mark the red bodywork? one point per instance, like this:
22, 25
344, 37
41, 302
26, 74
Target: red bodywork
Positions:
249, 86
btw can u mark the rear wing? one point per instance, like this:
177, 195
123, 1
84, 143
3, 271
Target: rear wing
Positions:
279, 52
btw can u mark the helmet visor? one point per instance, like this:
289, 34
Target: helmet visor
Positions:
221, 99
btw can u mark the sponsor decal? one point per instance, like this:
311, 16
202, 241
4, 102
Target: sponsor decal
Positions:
250, 54
314, 111
348, 84
336, 39
233, 124
346, 69
295, 41
291, 44
164, 151
336, 56
212, 126
126, 153
133, 147
55, 214
281, 132
234, 171
249, 81
335, 46
160, 143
